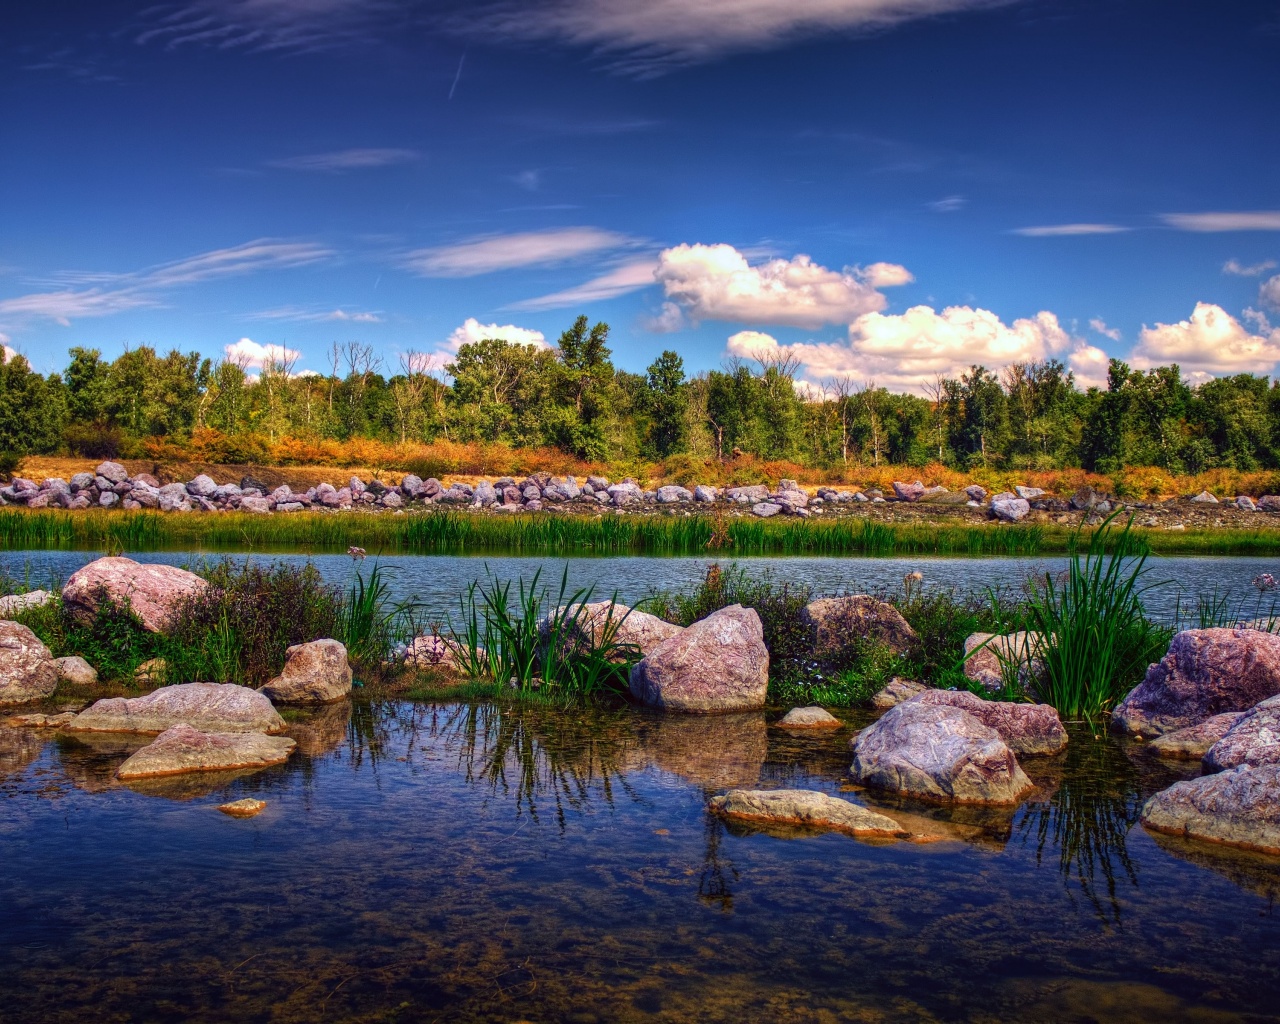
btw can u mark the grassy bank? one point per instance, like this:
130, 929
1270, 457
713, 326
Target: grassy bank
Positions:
546, 534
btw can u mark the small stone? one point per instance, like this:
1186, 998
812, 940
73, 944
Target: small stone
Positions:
803, 807
809, 718
765, 509
896, 692
1205, 497
245, 808
75, 670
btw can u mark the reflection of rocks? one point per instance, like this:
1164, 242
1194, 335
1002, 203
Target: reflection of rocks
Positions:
715, 752
320, 731
18, 748
984, 825
1253, 871
183, 749
89, 760
191, 786
37, 720
805, 808
1193, 742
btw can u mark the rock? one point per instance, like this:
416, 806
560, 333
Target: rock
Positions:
896, 692
670, 494
433, 651
39, 721
938, 752
1029, 493
485, 494
804, 807
106, 499
810, 718
1206, 498
212, 707
703, 493
975, 492
1193, 742
27, 669
765, 509
1027, 729
411, 485
720, 663
314, 673
82, 481
1205, 672
182, 748
389, 500
640, 631
986, 666
1245, 503
12, 604
151, 672
1253, 740
747, 495
908, 492
255, 503
151, 591
245, 808
76, 670
834, 621
113, 472
1269, 503
202, 486
1084, 498
561, 489
625, 493
1011, 510
598, 483
1240, 807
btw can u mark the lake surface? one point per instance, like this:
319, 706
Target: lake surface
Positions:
458, 862
436, 581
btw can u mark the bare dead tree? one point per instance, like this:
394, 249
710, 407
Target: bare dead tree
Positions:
867, 396
934, 390
409, 390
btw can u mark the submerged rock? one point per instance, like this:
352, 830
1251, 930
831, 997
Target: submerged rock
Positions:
1205, 672
314, 673
150, 591
897, 691
938, 752
835, 621
1253, 739
1193, 742
27, 669
1239, 807
809, 718
213, 707
245, 808
40, 721
720, 663
804, 807
1027, 729
182, 748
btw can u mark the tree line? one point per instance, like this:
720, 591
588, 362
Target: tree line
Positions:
571, 397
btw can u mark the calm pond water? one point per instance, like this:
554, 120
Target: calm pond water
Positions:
436, 581
458, 862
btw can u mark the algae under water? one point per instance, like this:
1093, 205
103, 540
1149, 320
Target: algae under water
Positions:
493, 862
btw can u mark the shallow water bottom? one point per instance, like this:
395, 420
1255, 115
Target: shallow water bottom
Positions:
503, 863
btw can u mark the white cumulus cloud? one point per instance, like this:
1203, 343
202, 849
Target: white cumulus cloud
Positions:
250, 353
508, 252
472, 330
715, 282
1269, 292
1212, 341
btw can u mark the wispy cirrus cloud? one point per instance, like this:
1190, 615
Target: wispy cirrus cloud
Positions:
291, 26
1238, 269
490, 253
1246, 220
627, 277
75, 295
343, 160
1067, 230
300, 314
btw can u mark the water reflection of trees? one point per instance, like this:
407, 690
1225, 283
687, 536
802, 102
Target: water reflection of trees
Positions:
1096, 797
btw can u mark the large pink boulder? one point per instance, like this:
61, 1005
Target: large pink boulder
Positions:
1027, 729
1240, 807
151, 591
27, 669
1253, 739
1206, 672
939, 753
720, 663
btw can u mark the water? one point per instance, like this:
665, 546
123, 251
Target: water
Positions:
436, 581
479, 863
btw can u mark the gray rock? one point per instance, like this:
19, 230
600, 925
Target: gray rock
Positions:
182, 749
106, 499
151, 591
485, 494
173, 503
202, 486
113, 472
1252, 740
805, 808
210, 707
27, 669
747, 495
1193, 742
1269, 503
626, 493
82, 481
1204, 673
411, 485
75, 670
1240, 807
704, 493
255, 503
598, 483
765, 509
314, 673
1204, 497
1011, 510
896, 692
908, 492
938, 752
810, 718
391, 499
720, 663
147, 497
12, 604
512, 496
1245, 503
289, 506
670, 494
1029, 493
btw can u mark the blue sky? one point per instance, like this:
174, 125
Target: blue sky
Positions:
882, 189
